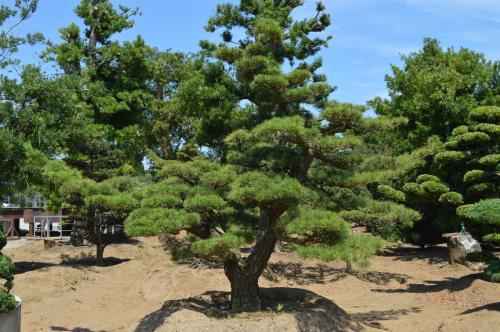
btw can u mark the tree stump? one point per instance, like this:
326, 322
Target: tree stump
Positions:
47, 244
459, 245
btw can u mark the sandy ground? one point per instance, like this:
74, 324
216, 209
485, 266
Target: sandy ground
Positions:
142, 289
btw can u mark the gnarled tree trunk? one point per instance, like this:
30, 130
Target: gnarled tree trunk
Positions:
244, 275
244, 288
99, 255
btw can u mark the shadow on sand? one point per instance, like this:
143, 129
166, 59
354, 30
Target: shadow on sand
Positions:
450, 284
311, 311
78, 262
76, 329
322, 274
489, 307
431, 255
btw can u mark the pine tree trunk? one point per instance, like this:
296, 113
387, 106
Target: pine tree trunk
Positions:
77, 234
349, 266
244, 289
244, 275
99, 256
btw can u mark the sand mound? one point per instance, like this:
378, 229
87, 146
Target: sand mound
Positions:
289, 309
142, 289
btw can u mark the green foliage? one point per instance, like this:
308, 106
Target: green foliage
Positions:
460, 130
451, 198
356, 249
493, 130
471, 139
474, 176
486, 211
434, 188
490, 161
9, 42
438, 90
152, 221
391, 194
492, 272
462, 211
209, 203
493, 238
95, 205
385, 218
483, 257
311, 225
263, 190
7, 300
219, 247
488, 114
426, 177
342, 116
449, 158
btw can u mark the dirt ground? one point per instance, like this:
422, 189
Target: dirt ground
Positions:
142, 289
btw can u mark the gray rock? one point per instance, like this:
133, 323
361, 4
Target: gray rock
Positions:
459, 245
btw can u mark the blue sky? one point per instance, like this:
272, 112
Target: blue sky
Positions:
368, 35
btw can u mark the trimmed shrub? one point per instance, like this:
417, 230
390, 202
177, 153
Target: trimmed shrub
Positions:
459, 130
7, 300
481, 257
451, 198
427, 177
492, 272
449, 157
463, 210
486, 211
490, 160
474, 175
493, 238
476, 138
413, 188
490, 114
391, 193
480, 190
489, 128
435, 188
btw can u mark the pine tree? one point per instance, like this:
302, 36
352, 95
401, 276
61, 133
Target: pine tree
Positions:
111, 92
268, 187
98, 206
464, 175
9, 40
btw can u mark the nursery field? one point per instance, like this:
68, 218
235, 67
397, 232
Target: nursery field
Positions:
140, 288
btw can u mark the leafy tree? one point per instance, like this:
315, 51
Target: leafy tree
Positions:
43, 111
11, 149
98, 206
435, 90
269, 185
13, 152
7, 300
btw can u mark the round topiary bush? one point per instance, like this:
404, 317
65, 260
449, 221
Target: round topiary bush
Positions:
7, 300
481, 257
492, 272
